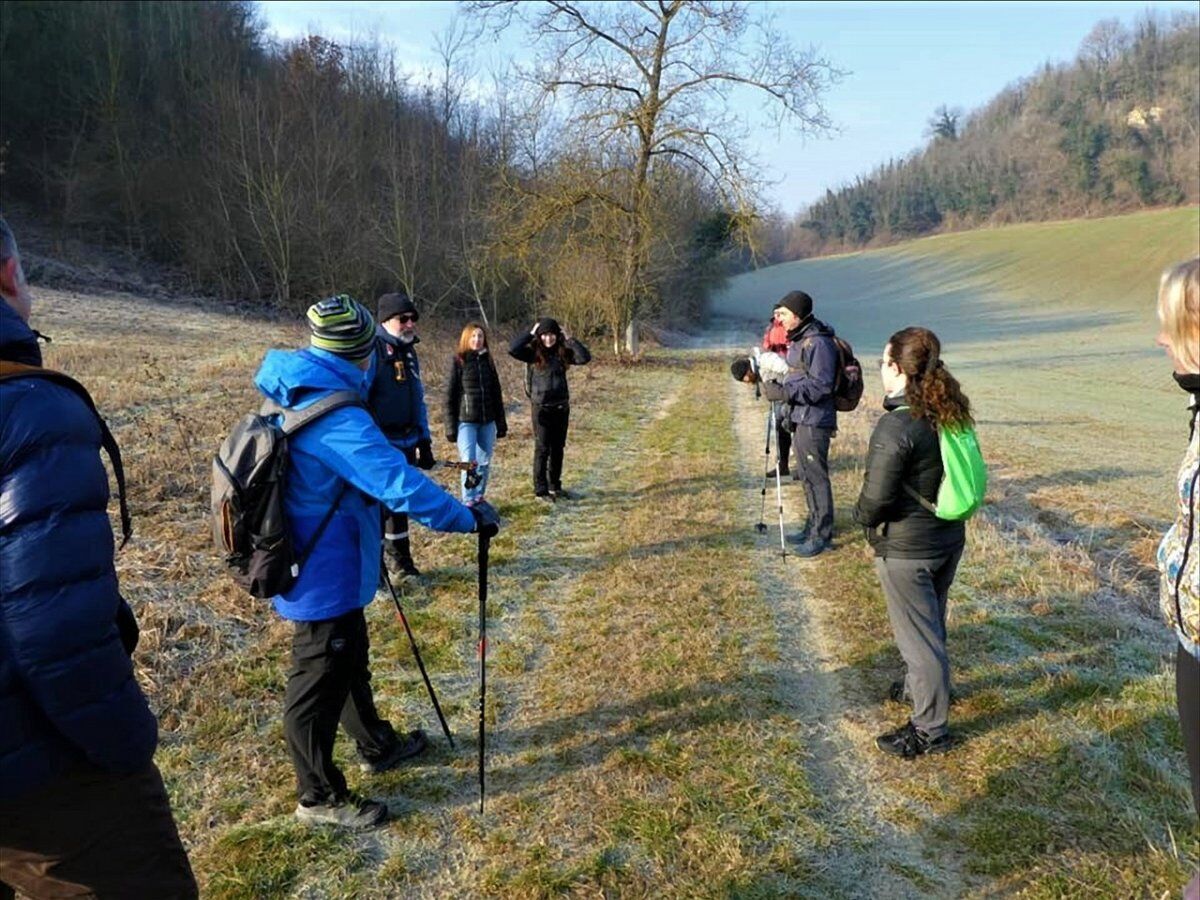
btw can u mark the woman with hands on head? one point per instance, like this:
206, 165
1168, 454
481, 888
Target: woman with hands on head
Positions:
548, 350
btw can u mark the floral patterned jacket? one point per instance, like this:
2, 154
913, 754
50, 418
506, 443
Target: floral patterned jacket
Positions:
1179, 552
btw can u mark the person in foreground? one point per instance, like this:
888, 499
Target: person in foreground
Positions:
1179, 552
916, 553
342, 466
83, 809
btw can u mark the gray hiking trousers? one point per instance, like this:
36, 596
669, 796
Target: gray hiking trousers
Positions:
916, 591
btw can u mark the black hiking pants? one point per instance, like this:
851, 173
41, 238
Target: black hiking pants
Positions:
1187, 697
812, 464
549, 439
330, 682
395, 525
785, 444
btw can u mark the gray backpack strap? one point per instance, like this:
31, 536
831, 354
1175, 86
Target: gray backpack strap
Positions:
295, 419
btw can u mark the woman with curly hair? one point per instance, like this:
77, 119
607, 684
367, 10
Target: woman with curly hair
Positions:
1179, 552
916, 553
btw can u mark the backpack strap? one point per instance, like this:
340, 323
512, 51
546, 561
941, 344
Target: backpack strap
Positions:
292, 420
13, 370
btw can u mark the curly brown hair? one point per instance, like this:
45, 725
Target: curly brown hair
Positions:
932, 392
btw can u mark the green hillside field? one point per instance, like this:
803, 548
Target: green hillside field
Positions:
1050, 326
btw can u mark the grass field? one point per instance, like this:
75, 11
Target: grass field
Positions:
673, 710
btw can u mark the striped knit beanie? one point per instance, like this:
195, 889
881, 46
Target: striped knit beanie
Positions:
343, 326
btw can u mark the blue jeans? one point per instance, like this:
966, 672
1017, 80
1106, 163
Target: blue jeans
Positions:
475, 444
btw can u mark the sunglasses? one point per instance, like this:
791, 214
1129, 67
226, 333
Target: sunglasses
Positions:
405, 318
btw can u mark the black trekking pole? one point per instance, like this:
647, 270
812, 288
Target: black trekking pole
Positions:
472, 470
420, 665
483, 567
761, 527
778, 482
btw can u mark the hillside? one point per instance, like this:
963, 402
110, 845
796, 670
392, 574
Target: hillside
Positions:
1050, 325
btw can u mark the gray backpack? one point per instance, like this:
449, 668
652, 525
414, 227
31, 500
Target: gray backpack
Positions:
248, 483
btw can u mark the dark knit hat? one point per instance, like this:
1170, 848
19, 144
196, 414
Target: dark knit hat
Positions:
547, 324
343, 326
798, 302
394, 305
740, 368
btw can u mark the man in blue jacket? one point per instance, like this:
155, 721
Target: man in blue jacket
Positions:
813, 358
342, 460
398, 401
83, 809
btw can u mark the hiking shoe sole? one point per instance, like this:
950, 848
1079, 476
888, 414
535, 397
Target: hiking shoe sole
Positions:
361, 815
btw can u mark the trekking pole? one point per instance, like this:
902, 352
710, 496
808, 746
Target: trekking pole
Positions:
778, 484
420, 665
484, 540
761, 527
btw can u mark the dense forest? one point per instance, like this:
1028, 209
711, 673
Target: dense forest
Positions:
280, 172
1113, 131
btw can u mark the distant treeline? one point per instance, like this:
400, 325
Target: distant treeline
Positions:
282, 173
1114, 131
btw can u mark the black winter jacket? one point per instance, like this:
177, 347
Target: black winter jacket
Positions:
473, 393
904, 450
68, 696
548, 386
397, 397
813, 357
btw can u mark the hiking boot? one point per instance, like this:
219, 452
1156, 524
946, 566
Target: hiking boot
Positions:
802, 536
909, 742
811, 548
783, 473
412, 744
561, 494
348, 811
544, 496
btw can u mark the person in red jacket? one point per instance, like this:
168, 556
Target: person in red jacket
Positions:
775, 340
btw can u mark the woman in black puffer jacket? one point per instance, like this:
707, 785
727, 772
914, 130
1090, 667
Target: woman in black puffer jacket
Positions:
916, 553
474, 407
549, 352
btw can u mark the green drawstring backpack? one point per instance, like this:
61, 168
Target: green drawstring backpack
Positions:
964, 475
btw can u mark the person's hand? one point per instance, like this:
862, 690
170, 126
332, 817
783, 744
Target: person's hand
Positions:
534, 329
452, 437
487, 520
566, 335
501, 432
425, 455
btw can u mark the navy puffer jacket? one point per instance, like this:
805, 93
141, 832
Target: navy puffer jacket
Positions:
68, 698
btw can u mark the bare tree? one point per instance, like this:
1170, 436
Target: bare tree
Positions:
649, 82
944, 123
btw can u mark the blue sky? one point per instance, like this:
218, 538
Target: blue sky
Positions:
903, 60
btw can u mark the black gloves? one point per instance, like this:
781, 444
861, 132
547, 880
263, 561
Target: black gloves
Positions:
487, 520
424, 455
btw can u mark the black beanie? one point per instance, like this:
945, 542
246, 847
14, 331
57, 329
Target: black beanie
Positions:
740, 368
798, 302
395, 305
547, 324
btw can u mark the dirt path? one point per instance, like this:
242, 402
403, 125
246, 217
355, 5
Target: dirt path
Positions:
872, 853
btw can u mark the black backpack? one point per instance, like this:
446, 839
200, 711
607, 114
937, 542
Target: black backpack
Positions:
249, 479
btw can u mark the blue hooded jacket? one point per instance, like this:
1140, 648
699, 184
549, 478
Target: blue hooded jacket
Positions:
68, 697
343, 447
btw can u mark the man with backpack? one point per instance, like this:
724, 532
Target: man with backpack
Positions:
83, 809
398, 401
815, 360
341, 467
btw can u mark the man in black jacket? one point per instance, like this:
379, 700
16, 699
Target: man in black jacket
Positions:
397, 401
813, 358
